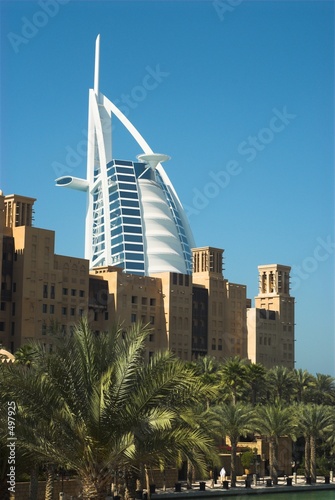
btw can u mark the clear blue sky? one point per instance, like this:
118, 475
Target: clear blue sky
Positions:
241, 96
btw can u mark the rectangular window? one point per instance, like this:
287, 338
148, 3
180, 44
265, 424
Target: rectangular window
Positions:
152, 302
152, 320
12, 330
132, 229
14, 287
64, 310
187, 280
106, 315
2, 326
134, 256
52, 309
73, 292
3, 306
45, 291
128, 194
134, 299
52, 291
151, 337
65, 291
72, 311
44, 308
181, 279
174, 278
133, 318
144, 301
13, 309
81, 293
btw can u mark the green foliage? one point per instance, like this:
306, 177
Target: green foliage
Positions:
95, 405
247, 459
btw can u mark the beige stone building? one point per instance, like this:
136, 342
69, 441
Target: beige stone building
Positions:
271, 322
226, 306
44, 294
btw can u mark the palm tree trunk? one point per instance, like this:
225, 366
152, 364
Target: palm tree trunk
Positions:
147, 481
33, 486
130, 480
313, 459
273, 461
233, 463
307, 456
92, 490
189, 475
49, 486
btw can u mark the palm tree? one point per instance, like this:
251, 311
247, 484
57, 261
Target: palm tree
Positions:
275, 421
303, 381
95, 405
208, 370
25, 355
315, 421
280, 381
255, 374
322, 390
235, 420
233, 374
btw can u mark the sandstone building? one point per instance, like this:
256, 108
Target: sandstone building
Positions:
44, 294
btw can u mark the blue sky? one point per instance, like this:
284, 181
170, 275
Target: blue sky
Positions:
240, 95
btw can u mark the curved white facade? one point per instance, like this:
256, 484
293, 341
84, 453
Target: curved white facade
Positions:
134, 217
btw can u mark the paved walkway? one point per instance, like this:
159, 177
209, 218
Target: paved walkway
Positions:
241, 489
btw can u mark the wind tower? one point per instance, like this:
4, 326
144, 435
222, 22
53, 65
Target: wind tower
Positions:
134, 217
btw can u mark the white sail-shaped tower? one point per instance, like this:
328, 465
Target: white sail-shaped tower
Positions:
134, 217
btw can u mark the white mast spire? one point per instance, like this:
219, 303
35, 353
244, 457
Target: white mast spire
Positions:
96, 66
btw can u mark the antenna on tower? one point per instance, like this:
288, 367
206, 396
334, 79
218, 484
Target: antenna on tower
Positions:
96, 66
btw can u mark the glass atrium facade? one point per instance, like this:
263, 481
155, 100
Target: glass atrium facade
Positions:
136, 194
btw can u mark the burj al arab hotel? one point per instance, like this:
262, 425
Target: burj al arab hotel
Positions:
134, 218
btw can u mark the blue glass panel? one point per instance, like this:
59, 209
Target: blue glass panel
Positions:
113, 196
133, 238
139, 168
117, 249
132, 229
115, 205
149, 174
135, 248
134, 256
128, 194
129, 211
116, 231
116, 240
129, 220
126, 178
129, 203
124, 170
129, 187
123, 162
135, 265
